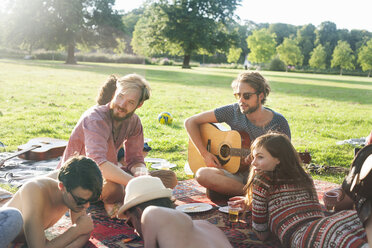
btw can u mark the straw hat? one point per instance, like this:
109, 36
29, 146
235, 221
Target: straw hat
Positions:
142, 189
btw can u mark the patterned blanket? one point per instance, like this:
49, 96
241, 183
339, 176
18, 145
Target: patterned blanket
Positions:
115, 233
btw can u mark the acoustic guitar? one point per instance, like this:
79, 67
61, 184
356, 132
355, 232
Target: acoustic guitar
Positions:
230, 147
39, 149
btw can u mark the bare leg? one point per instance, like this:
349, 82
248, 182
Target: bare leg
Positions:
368, 227
214, 179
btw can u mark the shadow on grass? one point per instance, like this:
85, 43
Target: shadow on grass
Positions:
309, 78
361, 96
192, 77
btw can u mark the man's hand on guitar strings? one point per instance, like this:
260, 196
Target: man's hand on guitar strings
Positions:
212, 161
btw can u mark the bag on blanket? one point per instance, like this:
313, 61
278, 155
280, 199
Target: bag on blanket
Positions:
358, 183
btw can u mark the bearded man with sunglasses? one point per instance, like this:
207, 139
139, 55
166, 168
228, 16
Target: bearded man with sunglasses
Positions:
43, 201
248, 116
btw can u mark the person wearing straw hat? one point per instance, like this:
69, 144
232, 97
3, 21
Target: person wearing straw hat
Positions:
149, 209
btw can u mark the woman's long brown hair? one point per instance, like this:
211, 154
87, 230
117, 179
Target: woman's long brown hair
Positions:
289, 170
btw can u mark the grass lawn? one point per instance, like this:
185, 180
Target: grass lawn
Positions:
46, 98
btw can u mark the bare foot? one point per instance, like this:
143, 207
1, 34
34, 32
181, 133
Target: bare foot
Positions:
112, 209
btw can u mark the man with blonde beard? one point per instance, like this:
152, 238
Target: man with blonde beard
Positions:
104, 129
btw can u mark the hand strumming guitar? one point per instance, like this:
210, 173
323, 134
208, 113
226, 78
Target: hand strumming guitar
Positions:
211, 160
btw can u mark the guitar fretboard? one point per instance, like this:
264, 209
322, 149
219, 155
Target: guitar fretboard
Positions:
240, 152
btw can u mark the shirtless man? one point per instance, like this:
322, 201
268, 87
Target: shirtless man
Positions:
44, 201
248, 115
149, 209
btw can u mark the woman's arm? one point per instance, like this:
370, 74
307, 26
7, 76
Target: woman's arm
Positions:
260, 212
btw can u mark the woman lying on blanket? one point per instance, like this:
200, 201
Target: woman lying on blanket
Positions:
284, 201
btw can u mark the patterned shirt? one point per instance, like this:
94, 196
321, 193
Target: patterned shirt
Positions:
231, 115
294, 214
93, 137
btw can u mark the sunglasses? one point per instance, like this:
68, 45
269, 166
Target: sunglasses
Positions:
78, 200
246, 95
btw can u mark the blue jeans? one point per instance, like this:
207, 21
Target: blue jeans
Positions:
11, 224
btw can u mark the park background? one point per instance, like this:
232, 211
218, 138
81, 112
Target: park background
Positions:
54, 56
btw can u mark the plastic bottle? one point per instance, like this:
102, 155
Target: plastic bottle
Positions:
188, 171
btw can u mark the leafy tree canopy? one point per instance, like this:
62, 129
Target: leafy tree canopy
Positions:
234, 54
343, 56
365, 57
262, 45
289, 52
130, 20
318, 57
63, 23
188, 26
282, 30
305, 39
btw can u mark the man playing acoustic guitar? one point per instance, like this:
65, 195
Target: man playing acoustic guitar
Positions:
248, 116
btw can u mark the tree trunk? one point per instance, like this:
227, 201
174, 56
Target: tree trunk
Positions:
186, 61
71, 54
369, 73
341, 72
30, 50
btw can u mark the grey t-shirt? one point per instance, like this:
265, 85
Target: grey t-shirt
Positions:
231, 115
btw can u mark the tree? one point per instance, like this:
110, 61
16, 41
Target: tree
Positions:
262, 45
358, 38
365, 57
187, 26
290, 53
64, 23
282, 31
243, 31
343, 56
318, 57
327, 36
305, 39
130, 20
234, 54
148, 38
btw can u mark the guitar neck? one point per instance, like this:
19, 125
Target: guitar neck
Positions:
236, 152
17, 154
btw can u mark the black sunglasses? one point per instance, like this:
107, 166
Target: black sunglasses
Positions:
78, 200
245, 95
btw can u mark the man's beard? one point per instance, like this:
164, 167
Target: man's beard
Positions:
118, 118
252, 109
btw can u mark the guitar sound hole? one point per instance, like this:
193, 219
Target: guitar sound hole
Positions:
225, 151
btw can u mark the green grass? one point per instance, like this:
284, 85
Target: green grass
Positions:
46, 98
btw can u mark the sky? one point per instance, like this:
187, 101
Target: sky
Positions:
346, 14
